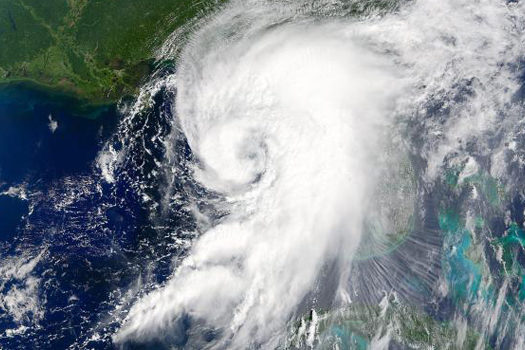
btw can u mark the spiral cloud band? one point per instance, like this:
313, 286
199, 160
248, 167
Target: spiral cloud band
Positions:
288, 111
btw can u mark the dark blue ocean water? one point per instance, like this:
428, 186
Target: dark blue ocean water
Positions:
83, 242
28, 147
94, 240
30, 151
44, 139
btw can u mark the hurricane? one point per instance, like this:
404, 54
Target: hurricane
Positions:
318, 127
284, 128
288, 174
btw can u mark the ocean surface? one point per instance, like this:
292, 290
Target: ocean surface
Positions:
78, 239
310, 176
46, 139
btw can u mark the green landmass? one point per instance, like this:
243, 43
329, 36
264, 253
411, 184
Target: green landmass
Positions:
96, 50
100, 50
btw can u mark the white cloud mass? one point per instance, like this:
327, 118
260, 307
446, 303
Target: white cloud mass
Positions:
287, 112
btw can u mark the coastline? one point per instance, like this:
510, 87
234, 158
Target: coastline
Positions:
46, 134
53, 95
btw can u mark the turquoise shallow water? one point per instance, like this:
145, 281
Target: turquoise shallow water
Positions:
90, 234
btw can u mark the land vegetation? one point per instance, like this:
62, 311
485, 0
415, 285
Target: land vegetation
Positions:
96, 50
